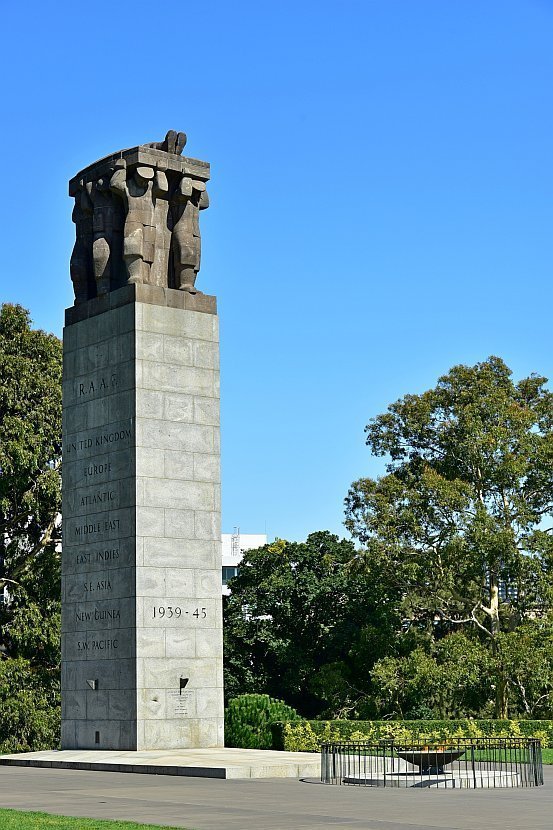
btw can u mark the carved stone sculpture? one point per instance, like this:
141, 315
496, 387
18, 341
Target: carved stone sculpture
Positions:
137, 219
139, 190
107, 226
173, 143
188, 198
81, 259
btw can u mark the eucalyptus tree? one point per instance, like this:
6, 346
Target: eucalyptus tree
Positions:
300, 625
30, 503
462, 522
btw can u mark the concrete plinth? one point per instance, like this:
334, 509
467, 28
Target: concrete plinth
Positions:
457, 779
196, 763
141, 565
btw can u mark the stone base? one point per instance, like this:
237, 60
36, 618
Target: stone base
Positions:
196, 763
141, 293
458, 779
142, 639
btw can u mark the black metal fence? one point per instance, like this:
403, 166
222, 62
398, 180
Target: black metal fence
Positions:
458, 762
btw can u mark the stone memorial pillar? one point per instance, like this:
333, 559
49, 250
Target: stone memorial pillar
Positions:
141, 562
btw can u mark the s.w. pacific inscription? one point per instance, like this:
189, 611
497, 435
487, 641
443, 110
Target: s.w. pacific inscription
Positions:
97, 645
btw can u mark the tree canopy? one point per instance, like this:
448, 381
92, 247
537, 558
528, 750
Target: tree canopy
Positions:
30, 442
30, 503
301, 625
444, 609
461, 523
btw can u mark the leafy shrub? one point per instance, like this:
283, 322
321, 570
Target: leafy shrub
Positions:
307, 736
300, 737
248, 720
29, 707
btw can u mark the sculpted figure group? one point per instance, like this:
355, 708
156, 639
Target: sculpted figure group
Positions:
137, 224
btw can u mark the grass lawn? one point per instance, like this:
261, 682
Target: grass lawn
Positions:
547, 755
17, 820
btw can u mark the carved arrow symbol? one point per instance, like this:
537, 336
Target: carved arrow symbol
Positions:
183, 684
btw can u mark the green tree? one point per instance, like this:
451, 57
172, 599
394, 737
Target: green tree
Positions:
301, 626
528, 658
447, 678
30, 503
461, 522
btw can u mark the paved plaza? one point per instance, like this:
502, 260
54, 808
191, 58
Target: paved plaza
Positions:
271, 804
222, 762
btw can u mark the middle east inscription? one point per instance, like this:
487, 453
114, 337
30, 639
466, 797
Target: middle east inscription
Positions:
141, 578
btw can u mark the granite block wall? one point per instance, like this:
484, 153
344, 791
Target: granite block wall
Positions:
141, 563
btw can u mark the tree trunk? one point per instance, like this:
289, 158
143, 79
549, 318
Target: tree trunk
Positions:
501, 696
501, 684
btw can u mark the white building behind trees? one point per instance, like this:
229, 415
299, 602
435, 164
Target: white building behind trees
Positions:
234, 545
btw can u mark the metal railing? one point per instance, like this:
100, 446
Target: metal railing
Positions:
455, 762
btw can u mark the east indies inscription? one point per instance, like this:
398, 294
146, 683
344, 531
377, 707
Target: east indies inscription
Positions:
97, 557
141, 620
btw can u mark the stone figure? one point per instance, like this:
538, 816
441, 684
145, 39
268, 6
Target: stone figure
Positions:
136, 215
189, 197
139, 189
107, 226
173, 143
80, 263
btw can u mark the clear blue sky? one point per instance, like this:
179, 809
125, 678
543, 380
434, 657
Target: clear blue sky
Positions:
381, 202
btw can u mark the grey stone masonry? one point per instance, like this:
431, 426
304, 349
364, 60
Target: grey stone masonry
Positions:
142, 652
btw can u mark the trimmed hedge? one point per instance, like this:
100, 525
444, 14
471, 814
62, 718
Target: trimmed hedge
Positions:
307, 735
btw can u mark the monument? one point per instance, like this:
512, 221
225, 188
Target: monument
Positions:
141, 561
142, 645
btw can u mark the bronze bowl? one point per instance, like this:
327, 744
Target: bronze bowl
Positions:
430, 761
